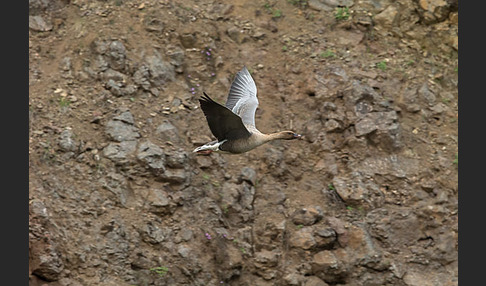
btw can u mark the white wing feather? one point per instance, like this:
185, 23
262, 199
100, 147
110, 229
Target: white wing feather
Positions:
242, 97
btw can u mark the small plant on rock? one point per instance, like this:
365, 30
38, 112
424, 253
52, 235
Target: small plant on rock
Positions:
300, 3
410, 63
161, 270
456, 160
276, 13
267, 7
207, 53
225, 208
327, 54
64, 102
237, 244
381, 65
341, 13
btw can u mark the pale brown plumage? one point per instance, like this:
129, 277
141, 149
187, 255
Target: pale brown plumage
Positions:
234, 124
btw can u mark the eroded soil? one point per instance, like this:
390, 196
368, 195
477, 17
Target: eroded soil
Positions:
117, 197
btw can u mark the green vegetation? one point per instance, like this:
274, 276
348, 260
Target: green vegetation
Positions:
381, 65
284, 48
161, 270
341, 13
64, 102
327, 54
456, 160
225, 208
331, 187
356, 210
276, 13
299, 3
207, 178
267, 7
237, 244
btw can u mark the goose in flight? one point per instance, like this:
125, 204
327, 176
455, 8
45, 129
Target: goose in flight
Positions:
234, 124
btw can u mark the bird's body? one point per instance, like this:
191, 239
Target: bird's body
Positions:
234, 124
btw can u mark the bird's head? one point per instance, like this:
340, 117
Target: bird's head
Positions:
289, 135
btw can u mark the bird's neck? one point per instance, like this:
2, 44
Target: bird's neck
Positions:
274, 136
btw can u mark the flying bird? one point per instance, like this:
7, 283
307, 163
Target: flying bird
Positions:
234, 123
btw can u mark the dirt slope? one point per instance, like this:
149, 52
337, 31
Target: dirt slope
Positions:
117, 197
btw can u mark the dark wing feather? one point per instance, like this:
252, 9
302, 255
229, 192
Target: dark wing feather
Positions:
224, 124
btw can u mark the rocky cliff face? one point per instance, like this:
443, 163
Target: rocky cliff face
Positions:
118, 198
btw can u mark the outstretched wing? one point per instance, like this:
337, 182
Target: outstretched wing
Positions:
242, 97
224, 124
